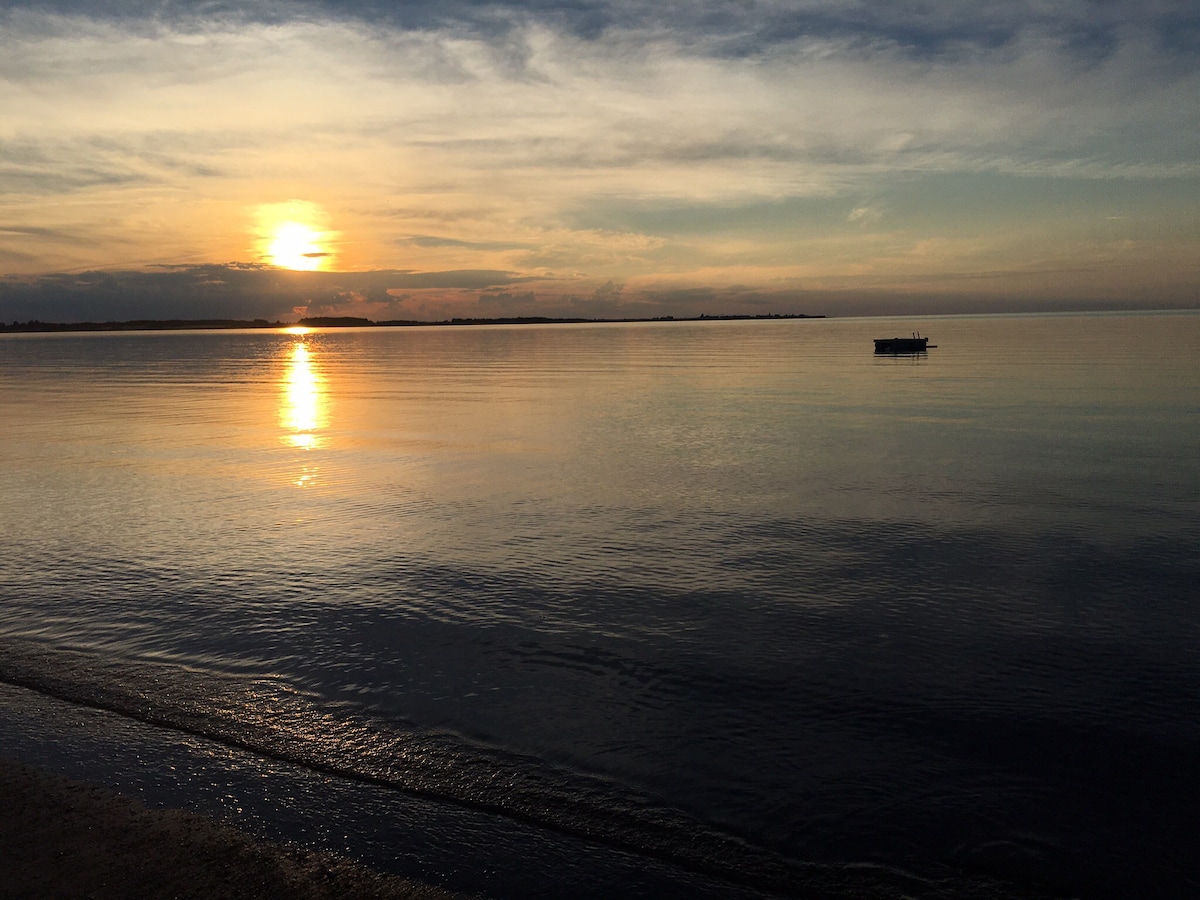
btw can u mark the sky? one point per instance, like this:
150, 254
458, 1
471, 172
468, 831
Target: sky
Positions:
596, 158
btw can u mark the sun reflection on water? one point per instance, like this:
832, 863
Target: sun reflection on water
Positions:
302, 409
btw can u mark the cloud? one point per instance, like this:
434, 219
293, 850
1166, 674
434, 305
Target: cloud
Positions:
222, 291
928, 28
633, 99
510, 303
865, 215
431, 241
607, 292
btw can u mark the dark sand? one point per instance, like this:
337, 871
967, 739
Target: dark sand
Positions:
61, 838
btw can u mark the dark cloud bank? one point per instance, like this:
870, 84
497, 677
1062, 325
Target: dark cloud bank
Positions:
245, 291
224, 291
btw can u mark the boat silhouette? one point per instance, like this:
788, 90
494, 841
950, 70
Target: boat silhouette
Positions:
914, 344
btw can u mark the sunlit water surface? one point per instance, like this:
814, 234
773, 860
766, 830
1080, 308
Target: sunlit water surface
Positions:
740, 600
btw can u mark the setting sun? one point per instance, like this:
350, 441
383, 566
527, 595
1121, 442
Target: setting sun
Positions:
296, 246
292, 235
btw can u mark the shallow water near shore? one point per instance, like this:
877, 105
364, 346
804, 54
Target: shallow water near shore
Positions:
739, 598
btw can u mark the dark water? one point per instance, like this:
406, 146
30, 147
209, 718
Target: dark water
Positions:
714, 608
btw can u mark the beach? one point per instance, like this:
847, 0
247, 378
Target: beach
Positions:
63, 838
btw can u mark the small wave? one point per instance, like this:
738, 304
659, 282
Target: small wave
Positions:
266, 715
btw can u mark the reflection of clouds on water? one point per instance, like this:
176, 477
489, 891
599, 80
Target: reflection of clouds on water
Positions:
302, 411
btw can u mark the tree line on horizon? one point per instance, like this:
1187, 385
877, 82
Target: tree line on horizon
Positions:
35, 325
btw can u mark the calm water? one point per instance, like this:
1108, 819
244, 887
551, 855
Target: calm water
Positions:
713, 608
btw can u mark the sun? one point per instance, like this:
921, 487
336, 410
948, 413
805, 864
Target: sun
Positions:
296, 246
294, 235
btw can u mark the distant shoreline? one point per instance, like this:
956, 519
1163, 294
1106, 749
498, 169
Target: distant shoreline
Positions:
35, 326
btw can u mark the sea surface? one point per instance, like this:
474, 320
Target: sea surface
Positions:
725, 608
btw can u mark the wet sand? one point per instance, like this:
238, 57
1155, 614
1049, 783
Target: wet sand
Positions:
62, 838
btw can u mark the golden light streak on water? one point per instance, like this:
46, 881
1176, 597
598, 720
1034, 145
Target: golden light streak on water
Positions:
302, 411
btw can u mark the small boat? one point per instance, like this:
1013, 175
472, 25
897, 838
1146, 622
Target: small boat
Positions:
914, 344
